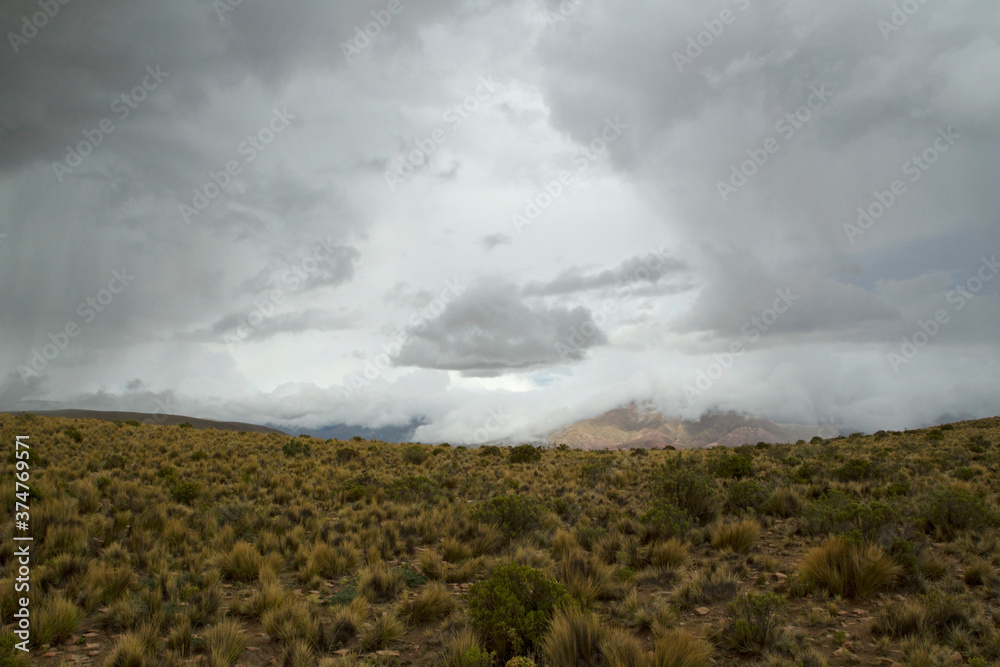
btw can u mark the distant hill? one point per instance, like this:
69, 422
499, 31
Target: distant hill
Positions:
145, 418
632, 428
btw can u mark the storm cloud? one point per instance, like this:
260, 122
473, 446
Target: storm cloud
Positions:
247, 211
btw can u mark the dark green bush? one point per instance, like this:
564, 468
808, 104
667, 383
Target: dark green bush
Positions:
953, 509
412, 489
415, 455
73, 434
666, 520
514, 514
198, 455
690, 490
836, 512
490, 450
346, 454
524, 454
186, 492
734, 466
746, 494
114, 461
965, 473
295, 447
598, 470
511, 610
855, 470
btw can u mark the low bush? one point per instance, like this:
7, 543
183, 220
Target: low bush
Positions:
524, 454
515, 515
512, 609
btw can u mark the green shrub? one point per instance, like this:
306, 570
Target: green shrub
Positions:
296, 447
953, 509
412, 489
746, 494
665, 520
73, 434
597, 471
198, 456
115, 461
490, 450
754, 623
524, 454
10, 655
836, 512
186, 492
414, 455
514, 514
855, 470
512, 609
346, 454
689, 489
733, 466
965, 473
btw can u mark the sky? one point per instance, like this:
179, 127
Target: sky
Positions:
490, 218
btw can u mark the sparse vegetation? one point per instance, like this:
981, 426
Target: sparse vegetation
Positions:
172, 545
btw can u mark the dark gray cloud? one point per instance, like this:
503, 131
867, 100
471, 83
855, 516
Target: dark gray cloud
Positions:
490, 329
656, 273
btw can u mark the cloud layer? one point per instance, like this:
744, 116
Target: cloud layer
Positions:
262, 212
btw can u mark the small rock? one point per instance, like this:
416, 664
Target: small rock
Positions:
860, 612
956, 657
843, 612
387, 654
702, 611
90, 634
780, 576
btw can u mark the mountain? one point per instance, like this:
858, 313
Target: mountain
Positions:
147, 418
631, 427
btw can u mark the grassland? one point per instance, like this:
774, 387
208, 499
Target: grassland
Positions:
166, 545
